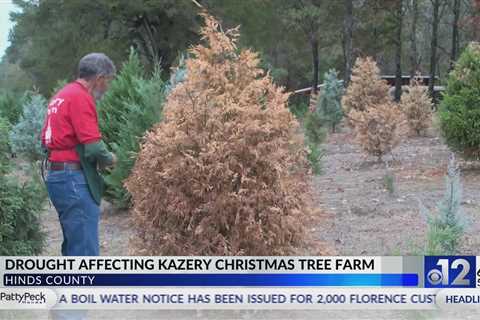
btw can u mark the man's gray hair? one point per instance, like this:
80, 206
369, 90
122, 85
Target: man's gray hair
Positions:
95, 64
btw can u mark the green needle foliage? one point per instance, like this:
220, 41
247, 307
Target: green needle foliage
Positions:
20, 232
315, 134
314, 156
10, 107
130, 108
446, 227
4, 145
329, 105
25, 135
460, 107
314, 129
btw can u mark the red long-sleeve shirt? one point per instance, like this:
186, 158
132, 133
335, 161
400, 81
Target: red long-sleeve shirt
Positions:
71, 119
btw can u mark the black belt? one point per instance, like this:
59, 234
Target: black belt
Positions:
64, 165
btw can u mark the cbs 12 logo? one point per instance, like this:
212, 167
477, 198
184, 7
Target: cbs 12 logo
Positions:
450, 272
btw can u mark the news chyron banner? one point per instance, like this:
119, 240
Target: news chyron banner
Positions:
409, 283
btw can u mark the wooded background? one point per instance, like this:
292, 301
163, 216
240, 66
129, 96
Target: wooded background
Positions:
298, 40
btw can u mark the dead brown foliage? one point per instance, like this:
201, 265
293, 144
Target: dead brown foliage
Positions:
225, 172
378, 123
417, 106
366, 88
379, 129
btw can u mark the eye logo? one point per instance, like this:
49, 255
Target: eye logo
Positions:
450, 271
434, 276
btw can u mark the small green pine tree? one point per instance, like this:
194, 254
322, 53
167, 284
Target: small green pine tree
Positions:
314, 155
20, 231
330, 103
25, 135
130, 108
314, 130
447, 226
20, 205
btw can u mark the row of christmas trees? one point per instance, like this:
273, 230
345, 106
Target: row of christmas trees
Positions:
225, 172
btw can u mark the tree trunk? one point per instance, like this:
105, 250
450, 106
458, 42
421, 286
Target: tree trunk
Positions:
456, 17
150, 39
398, 51
314, 43
475, 20
376, 39
414, 64
348, 35
433, 47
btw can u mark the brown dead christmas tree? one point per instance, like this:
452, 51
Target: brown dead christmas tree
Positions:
225, 172
417, 106
378, 123
366, 87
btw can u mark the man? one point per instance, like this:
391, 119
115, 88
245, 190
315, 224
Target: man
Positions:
75, 152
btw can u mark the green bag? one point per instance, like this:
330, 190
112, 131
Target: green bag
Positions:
93, 156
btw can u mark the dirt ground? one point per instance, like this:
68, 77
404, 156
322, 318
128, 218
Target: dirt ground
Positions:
114, 231
359, 216
364, 218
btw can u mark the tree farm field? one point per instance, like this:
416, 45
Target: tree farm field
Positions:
363, 217
357, 215
214, 158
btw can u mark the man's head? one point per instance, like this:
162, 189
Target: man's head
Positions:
97, 70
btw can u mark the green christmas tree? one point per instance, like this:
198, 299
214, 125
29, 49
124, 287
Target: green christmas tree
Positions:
20, 231
330, 103
130, 108
20, 227
447, 226
460, 107
25, 135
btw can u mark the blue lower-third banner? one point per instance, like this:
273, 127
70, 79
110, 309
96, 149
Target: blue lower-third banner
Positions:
215, 280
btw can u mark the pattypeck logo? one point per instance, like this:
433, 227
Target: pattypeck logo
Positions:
23, 298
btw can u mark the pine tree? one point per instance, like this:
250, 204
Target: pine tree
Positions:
20, 227
20, 231
446, 228
417, 106
315, 131
329, 105
459, 110
378, 123
225, 172
130, 108
25, 135
379, 129
366, 87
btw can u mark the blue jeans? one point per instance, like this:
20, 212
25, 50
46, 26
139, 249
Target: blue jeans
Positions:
77, 211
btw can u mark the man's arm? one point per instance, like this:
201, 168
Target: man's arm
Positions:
98, 151
84, 120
